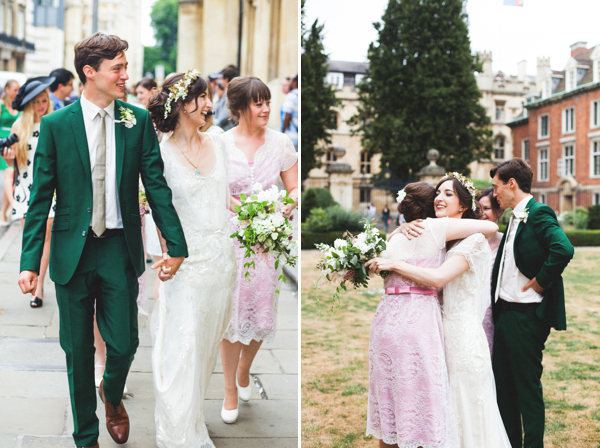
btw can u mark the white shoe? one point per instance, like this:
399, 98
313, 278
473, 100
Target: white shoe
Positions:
98, 380
229, 416
125, 391
244, 393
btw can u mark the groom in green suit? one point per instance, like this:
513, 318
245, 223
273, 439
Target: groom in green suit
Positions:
92, 153
528, 299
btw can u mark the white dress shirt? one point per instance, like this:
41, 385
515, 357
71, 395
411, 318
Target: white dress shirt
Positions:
91, 120
512, 280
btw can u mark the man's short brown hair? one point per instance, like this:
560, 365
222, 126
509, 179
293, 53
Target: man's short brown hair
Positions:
94, 49
516, 169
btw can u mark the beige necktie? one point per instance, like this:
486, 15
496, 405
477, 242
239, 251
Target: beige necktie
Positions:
99, 189
509, 229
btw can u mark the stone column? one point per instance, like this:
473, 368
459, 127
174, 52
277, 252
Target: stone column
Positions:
431, 173
190, 39
340, 183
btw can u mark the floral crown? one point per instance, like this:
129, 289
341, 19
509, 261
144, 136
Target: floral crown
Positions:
468, 184
180, 89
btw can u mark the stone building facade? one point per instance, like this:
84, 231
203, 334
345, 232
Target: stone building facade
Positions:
560, 136
348, 167
57, 25
503, 97
209, 39
15, 43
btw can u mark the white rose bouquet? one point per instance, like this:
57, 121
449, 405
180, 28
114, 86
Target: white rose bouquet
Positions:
261, 225
350, 255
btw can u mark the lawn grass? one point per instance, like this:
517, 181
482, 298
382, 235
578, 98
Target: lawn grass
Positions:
335, 363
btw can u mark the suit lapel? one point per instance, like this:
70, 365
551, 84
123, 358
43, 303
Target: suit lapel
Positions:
521, 225
119, 143
78, 127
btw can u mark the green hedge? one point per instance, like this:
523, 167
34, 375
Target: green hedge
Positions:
584, 237
309, 239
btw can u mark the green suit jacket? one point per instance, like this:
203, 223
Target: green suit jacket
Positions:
62, 163
541, 250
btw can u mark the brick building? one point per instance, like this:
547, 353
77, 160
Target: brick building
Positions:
560, 134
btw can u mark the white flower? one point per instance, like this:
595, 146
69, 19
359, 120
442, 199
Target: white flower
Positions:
338, 276
401, 196
127, 117
522, 216
340, 243
274, 235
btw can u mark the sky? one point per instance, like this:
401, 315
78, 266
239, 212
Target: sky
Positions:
146, 30
539, 28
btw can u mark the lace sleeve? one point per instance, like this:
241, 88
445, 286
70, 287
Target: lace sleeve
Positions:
438, 227
290, 156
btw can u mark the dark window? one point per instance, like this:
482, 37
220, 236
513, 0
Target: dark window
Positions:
499, 148
365, 162
526, 150
365, 194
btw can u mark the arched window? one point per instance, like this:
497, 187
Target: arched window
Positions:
365, 162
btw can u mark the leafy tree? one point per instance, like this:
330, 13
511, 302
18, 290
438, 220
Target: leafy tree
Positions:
318, 98
164, 21
420, 91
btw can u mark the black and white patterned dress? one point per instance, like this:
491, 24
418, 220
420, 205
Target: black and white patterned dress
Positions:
25, 180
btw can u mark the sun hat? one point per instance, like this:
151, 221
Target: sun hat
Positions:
32, 88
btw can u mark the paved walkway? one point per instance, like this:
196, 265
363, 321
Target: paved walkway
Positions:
34, 399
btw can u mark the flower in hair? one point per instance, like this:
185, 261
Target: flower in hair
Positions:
401, 196
468, 184
180, 89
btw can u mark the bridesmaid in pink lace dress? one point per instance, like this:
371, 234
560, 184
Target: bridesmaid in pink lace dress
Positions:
491, 212
409, 396
256, 155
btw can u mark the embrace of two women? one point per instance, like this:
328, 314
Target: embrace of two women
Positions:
432, 380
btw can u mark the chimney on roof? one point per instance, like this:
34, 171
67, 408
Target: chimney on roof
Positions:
522, 70
577, 48
485, 57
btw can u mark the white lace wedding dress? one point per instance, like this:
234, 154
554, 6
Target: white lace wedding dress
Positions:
472, 386
194, 308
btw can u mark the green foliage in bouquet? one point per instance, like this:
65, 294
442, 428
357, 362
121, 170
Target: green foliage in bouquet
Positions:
262, 226
349, 255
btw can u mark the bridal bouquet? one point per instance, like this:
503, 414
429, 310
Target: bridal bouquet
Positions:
261, 225
142, 199
350, 255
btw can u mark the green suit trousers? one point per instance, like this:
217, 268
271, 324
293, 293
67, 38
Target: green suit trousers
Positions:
104, 282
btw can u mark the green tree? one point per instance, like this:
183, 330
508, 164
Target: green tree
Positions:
164, 22
318, 98
420, 90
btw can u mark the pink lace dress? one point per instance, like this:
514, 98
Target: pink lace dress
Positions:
409, 396
254, 307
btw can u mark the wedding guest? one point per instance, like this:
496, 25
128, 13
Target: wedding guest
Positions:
491, 212
290, 109
8, 115
386, 217
256, 155
144, 90
222, 112
61, 88
33, 99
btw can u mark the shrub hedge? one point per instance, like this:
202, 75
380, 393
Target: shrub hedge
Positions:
584, 237
313, 198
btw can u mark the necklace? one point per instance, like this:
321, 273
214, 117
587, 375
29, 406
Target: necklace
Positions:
189, 161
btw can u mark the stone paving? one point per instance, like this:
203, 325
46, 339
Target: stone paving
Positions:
34, 399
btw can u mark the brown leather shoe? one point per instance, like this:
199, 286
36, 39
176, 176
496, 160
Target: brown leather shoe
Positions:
117, 420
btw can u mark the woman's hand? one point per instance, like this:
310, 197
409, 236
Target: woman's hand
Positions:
379, 264
288, 209
409, 229
9, 154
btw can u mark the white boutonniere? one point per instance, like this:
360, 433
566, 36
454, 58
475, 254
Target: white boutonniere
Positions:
401, 196
522, 216
127, 117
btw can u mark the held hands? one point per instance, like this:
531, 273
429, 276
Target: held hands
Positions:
379, 264
28, 281
535, 285
409, 229
168, 266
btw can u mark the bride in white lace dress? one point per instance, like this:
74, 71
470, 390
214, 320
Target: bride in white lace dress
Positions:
463, 275
194, 307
